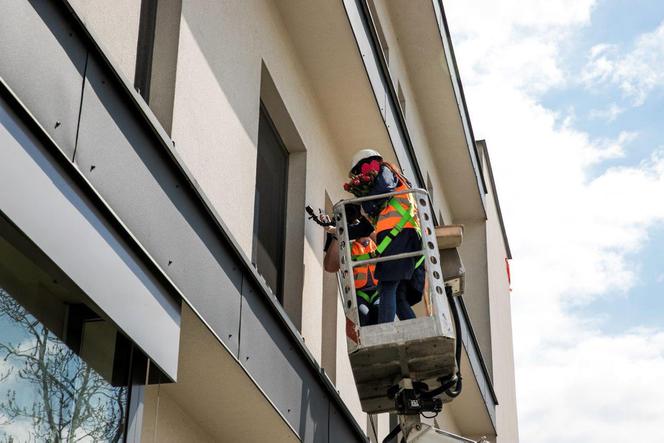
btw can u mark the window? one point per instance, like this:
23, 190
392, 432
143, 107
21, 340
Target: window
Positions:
270, 205
280, 194
64, 370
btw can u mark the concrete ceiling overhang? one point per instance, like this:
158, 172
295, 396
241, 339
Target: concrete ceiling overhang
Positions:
326, 47
210, 382
428, 70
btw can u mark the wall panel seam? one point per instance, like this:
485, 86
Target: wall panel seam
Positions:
80, 105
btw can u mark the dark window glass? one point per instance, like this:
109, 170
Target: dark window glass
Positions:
270, 205
63, 369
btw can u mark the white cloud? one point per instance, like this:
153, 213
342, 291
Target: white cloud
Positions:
637, 72
597, 389
573, 235
609, 114
515, 42
611, 148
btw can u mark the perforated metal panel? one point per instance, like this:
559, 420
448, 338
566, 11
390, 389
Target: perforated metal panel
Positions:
134, 175
43, 61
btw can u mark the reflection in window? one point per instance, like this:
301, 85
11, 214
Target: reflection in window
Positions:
63, 377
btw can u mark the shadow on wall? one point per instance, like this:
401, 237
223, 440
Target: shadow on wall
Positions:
220, 31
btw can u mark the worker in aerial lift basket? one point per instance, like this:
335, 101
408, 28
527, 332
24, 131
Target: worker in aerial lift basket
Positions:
362, 247
401, 281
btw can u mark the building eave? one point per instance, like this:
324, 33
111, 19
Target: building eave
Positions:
438, 94
481, 144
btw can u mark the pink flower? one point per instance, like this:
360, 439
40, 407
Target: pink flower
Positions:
374, 165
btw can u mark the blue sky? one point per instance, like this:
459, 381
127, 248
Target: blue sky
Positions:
620, 23
643, 305
569, 95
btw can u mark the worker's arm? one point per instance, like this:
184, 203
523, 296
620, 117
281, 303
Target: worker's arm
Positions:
331, 260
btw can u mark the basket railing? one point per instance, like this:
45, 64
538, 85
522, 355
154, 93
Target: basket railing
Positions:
434, 293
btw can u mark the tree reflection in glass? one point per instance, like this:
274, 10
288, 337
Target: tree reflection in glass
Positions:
47, 392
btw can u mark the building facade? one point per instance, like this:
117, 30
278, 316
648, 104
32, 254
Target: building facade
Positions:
159, 279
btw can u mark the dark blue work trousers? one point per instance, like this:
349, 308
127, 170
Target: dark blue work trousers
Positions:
393, 300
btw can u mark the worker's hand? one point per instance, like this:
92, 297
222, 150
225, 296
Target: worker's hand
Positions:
326, 218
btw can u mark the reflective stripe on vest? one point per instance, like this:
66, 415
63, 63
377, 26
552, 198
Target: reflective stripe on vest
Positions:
369, 298
406, 220
399, 213
361, 273
399, 209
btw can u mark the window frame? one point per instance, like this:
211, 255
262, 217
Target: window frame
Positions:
264, 116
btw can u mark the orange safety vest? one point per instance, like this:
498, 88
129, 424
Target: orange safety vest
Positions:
390, 217
363, 273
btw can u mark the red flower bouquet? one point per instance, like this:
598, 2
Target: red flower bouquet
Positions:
360, 184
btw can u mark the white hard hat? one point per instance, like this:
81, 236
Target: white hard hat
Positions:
362, 154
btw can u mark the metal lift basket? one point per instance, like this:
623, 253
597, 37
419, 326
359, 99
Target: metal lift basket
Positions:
421, 349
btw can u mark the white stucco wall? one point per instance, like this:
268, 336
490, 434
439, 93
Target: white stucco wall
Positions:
115, 24
501, 328
474, 253
215, 127
165, 421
